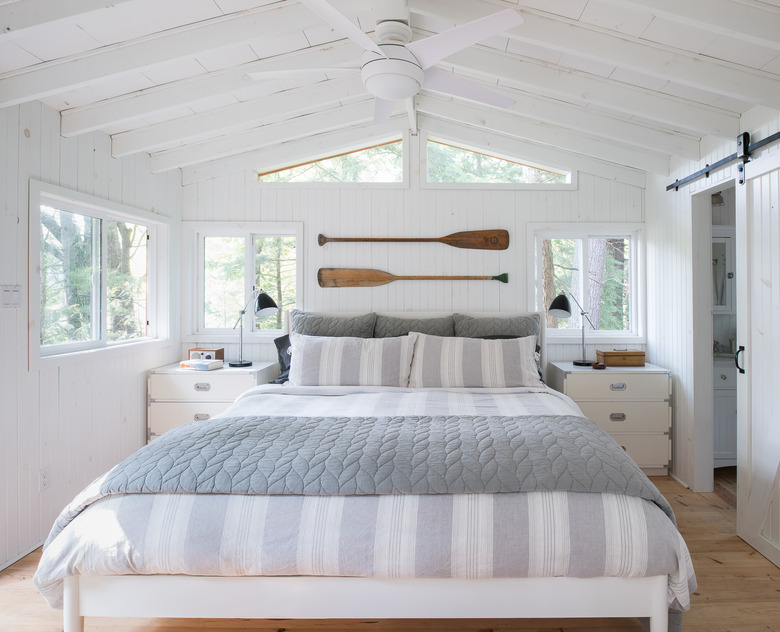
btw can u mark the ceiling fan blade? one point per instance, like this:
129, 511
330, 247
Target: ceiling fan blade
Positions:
433, 49
441, 81
383, 109
342, 24
272, 74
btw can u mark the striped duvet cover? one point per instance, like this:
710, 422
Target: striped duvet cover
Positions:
526, 534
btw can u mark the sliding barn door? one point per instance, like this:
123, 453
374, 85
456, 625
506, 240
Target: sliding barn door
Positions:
758, 283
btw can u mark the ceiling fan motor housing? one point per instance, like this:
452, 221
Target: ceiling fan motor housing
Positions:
399, 75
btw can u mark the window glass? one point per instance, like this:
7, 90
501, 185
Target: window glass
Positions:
379, 164
70, 277
447, 163
275, 272
126, 247
223, 274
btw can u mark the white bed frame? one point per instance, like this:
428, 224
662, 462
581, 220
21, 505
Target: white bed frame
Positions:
183, 596
359, 598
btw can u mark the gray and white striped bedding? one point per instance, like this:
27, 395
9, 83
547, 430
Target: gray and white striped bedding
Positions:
534, 534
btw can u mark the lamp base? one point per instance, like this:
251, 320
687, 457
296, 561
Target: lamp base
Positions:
578, 363
241, 364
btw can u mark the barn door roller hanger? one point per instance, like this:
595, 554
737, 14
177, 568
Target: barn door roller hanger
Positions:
744, 149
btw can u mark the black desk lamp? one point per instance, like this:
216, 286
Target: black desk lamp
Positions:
561, 308
264, 306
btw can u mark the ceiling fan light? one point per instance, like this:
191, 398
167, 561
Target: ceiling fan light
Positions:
392, 86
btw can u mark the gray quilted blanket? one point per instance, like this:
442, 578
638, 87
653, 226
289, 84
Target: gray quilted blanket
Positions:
379, 455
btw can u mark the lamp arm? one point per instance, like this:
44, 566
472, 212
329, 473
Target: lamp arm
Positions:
255, 292
582, 311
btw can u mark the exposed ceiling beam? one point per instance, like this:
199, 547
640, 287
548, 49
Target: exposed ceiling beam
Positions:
289, 153
521, 149
568, 36
277, 133
236, 117
17, 16
739, 21
671, 112
110, 61
172, 95
567, 140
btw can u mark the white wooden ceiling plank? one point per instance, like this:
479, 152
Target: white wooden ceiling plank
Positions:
615, 17
56, 40
615, 96
69, 72
18, 17
12, 57
508, 146
737, 20
565, 139
137, 105
718, 77
235, 117
315, 147
248, 140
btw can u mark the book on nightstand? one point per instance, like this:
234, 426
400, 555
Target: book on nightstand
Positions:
201, 365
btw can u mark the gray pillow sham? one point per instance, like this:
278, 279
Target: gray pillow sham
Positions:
322, 325
389, 326
519, 326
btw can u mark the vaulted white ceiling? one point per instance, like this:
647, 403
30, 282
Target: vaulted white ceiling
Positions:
629, 82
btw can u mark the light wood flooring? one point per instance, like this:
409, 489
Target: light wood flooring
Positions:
739, 591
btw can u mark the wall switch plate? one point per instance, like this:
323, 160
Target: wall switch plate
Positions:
10, 296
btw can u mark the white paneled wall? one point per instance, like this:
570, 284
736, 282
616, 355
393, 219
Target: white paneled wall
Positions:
413, 211
76, 417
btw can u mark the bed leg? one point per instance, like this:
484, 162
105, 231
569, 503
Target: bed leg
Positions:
659, 619
71, 619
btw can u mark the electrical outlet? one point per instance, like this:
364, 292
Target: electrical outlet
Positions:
44, 479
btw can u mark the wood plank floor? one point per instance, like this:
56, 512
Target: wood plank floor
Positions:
739, 591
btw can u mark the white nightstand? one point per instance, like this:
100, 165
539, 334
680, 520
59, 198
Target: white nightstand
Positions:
633, 404
178, 396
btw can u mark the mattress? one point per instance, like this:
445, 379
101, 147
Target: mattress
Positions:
541, 533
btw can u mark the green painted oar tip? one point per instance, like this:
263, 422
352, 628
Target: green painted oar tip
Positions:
504, 278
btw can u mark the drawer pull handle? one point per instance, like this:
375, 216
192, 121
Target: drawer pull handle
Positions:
202, 386
201, 416
617, 416
723, 377
618, 386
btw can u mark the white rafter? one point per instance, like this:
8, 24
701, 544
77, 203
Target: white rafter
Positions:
23, 15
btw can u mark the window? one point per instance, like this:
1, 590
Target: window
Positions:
231, 261
378, 164
601, 268
450, 164
90, 271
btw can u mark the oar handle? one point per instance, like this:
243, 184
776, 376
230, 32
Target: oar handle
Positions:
322, 239
504, 278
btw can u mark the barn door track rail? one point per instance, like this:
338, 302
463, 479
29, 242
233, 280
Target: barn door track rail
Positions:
744, 149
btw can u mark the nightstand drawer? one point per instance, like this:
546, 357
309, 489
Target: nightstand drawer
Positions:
617, 386
164, 416
204, 386
724, 376
648, 450
625, 416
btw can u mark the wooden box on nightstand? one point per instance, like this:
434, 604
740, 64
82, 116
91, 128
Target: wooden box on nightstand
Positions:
633, 404
178, 396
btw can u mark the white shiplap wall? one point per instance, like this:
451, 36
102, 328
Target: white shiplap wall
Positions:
679, 291
394, 211
77, 417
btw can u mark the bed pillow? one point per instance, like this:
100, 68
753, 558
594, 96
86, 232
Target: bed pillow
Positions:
322, 325
388, 326
347, 361
440, 362
283, 351
520, 326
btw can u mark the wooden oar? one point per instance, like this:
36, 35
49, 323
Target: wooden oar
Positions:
362, 277
475, 239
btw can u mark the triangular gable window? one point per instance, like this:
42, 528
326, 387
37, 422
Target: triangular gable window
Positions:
452, 164
377, 164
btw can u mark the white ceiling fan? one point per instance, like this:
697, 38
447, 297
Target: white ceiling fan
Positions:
396, 68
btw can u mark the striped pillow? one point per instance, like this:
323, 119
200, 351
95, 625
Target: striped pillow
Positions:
331, 361
470, 362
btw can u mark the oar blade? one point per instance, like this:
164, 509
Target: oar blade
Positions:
479, 239
352, 277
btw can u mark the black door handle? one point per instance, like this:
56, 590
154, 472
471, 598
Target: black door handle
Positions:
736, 358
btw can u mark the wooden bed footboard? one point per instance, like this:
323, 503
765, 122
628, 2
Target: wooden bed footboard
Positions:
185, 596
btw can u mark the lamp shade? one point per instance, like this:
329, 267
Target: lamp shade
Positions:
560, 307
265, 305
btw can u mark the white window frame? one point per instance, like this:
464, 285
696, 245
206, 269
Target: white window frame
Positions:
193, 292
157, 272
638, 273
